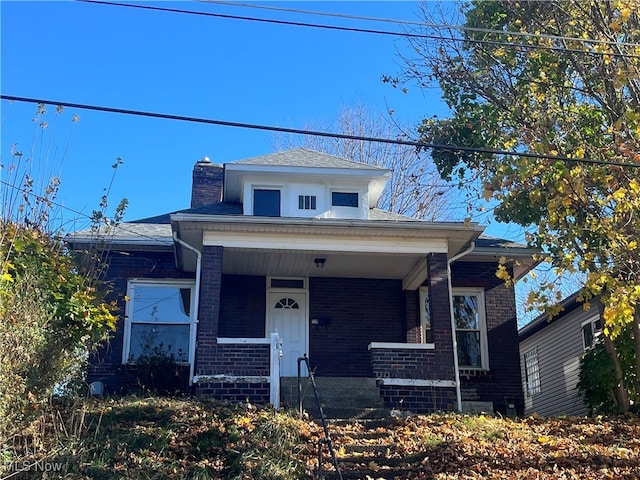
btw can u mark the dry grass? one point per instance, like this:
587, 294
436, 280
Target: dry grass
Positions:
162, 438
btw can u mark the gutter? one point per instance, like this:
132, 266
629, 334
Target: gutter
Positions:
453, 322
325, 222
196, 301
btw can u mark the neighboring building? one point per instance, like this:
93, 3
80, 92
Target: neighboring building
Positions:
293, 243
550, 353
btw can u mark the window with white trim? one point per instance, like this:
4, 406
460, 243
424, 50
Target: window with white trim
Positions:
159, 320
471, 332
425, 315
532, 372
307, 202
591, 331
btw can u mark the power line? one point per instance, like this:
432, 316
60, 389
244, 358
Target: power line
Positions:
441, 26
298, 131
41, 198
363, 30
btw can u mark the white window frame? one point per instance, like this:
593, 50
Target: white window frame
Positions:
482, 325
426, 334
313, 202
533, 384
594, 331
142, 282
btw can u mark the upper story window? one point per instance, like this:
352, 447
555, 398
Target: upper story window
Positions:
591, 331
159, 320
307, 202
471, 331
266, 202
344, 199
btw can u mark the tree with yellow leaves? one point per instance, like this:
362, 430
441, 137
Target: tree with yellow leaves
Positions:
545, 101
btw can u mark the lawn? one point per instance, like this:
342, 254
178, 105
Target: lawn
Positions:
164, 438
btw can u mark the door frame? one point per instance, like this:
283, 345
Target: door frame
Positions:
304, 291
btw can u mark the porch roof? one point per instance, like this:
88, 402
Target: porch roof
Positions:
276, 246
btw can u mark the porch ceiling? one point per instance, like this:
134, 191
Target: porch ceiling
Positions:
292, 263
351, 248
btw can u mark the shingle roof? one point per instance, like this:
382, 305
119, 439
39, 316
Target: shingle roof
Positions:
485, 241
301, 157
223, 208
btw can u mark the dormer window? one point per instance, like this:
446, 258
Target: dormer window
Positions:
266, 202
344, 199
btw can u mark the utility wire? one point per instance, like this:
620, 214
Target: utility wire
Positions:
40, 198
440, 26
364, 30
298, 131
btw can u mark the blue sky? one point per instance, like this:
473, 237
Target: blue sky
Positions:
233, 70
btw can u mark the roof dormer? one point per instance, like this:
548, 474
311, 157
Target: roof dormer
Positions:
303, 183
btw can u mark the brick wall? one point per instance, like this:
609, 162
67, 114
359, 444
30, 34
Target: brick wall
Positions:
105, 364
501, 383
438, 283
239, 392
239, 360
419, 399
408, 363
242, 308
209, 315
358, 311
207, 183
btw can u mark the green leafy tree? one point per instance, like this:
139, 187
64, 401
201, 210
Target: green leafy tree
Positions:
543, 80
51, 308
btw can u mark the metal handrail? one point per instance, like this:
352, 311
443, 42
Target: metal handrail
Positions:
327, 438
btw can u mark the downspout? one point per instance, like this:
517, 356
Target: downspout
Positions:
196, 301
453, 322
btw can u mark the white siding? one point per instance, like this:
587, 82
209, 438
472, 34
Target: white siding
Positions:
291, 188
559, 351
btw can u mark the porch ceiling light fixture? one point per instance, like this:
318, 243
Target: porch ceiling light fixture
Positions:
320, 262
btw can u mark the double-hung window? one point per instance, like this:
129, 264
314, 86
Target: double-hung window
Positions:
532, 372
159, 320
591, 330
425, 315
471, 334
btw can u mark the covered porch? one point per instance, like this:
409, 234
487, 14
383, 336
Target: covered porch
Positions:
345, 294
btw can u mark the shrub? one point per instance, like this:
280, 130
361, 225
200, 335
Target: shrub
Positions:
49, 314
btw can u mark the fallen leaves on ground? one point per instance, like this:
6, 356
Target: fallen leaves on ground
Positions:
155, 438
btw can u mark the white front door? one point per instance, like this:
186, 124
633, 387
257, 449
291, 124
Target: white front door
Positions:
287, 315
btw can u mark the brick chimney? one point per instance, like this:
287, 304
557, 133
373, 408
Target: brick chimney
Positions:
207, 183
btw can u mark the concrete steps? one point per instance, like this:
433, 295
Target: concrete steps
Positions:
340, 397
368, 449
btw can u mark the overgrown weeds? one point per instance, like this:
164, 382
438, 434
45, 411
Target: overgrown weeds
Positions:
181, 438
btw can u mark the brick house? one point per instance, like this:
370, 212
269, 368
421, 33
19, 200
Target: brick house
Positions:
292, 243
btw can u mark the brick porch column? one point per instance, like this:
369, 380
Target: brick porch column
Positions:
209, 311
440, 314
